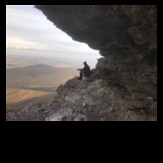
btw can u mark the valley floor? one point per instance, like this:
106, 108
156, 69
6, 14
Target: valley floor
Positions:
35, 83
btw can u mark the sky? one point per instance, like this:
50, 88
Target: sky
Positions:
29, 32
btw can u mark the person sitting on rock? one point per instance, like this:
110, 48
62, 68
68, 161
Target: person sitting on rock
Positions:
86, 72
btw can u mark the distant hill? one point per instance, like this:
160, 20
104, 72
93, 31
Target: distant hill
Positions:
36, 69
35, 81
36, 72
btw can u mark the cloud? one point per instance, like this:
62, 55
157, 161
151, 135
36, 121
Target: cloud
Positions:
28, 29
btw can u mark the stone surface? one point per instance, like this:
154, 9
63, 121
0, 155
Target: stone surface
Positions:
97, 101
123, 86
149, 98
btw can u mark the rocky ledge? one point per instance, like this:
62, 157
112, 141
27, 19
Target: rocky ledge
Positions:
92, 100
123, 86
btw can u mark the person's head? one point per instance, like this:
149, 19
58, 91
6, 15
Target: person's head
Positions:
85, 63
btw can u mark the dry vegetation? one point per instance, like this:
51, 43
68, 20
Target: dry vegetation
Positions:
34, 83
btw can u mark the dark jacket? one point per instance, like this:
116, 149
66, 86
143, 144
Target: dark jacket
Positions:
86, 71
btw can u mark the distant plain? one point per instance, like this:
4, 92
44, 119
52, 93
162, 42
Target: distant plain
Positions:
34, 83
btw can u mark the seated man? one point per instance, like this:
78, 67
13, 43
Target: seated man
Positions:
84, 71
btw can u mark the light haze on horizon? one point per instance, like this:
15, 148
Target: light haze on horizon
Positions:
29, 33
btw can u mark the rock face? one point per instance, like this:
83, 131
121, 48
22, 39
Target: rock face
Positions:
126, 35
123, 86
92, 100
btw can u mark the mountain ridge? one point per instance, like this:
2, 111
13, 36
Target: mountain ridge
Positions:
123, 86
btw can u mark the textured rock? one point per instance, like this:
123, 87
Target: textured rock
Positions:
149, 98
112, 29
126, 35
97, 100
66, 115
123, 86
61, 115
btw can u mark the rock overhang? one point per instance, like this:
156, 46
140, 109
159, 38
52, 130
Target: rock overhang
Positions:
108, 28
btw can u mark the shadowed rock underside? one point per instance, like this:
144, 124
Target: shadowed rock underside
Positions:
123, 86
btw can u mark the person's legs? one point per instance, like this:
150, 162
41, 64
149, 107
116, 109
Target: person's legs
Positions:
81, 75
